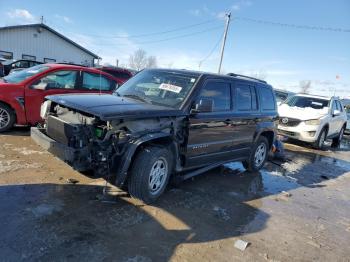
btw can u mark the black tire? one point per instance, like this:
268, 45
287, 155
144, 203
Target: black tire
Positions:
336, 141
251, 164
6, 111
319, 143
139, 184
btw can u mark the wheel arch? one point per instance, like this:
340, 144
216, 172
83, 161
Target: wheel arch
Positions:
160, 139
269, 135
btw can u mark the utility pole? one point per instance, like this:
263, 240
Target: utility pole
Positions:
41, 19
228, 18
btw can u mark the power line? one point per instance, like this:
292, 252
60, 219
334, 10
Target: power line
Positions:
157, 33
169, 38
211, 51
297, 26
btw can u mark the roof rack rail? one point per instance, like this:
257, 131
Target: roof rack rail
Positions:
249, 77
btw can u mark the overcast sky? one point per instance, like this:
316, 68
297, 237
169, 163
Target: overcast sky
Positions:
283, 53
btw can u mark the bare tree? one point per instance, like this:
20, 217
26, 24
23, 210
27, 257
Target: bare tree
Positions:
139, 60
151, 62
305, 86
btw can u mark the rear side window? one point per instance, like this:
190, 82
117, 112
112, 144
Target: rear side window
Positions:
267, 98
245, 97
220, 93
93, 81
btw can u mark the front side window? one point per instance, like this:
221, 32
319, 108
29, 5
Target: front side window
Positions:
219, 93
20, 64
340, 107
22, 75
63, 79
94, 81
267, 98
159, 87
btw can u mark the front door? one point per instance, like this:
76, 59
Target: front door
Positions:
57, 82
210, 133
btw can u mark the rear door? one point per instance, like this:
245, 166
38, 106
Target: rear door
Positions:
57, 82
210, 133
246, 115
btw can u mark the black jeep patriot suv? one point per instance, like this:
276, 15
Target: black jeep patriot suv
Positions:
162, 123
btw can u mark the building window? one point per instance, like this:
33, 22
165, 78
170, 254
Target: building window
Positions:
29, 57
49, 60
6, 55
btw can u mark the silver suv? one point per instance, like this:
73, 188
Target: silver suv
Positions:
312, 119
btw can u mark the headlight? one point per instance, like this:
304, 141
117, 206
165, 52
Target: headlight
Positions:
313, 122
44, 109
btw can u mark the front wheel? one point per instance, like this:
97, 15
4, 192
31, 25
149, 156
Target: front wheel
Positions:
336, 141
150, 173
7, 118
257, 156
321, 139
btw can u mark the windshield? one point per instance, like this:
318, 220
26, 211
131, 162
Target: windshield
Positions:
280, 96
305, 101
19, 76
164, 88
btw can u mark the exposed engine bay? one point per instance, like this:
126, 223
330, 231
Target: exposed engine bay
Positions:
102, 146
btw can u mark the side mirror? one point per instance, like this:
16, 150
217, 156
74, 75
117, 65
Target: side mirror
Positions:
204, 106
336, 113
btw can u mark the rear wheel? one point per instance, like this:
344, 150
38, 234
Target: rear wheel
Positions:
257, 156
150, 173
7, 117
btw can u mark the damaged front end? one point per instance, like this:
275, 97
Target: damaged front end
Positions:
106, 147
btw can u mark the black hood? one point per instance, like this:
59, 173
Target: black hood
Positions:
109, 107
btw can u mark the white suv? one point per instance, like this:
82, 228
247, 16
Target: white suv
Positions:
312, 119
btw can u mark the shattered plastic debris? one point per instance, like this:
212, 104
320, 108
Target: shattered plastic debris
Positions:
241, 244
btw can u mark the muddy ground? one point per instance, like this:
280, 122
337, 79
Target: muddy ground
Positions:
293, 211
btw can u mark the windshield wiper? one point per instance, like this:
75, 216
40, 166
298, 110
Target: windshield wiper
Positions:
136, 97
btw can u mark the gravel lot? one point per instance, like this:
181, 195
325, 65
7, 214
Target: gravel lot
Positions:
293, 211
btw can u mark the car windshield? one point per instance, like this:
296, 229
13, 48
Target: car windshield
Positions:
19, 76
165, 88
305, 101
280, 96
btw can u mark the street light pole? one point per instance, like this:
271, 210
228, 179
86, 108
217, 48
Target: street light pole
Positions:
228, 18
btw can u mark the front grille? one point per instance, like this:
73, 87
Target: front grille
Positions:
287, 121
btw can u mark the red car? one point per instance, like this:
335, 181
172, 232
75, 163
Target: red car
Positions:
119, 74
23, 92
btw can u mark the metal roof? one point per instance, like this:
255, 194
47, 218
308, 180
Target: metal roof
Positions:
54, 32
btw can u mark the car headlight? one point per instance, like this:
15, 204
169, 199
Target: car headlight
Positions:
313, 122
44, 109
